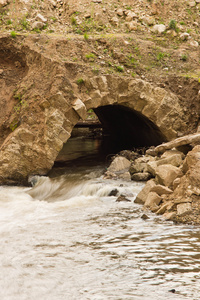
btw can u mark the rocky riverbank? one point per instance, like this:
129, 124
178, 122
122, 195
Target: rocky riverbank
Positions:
172, 174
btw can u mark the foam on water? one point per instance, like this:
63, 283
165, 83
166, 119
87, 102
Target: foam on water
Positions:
67, 239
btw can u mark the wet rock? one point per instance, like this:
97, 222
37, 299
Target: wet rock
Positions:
109, 175
125, 176
122, 198
169, 216
142, 196
162, 209
144, 217
114, 192
143, 176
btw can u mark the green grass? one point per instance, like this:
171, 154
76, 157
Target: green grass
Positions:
80, 81
13, 34
119, 68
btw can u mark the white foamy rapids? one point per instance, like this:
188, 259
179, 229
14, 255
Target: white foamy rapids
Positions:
60, 189
20, 205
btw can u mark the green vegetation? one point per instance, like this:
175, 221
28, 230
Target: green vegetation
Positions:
119, 68
80, 81
184, 57
24, 23
13, 125
172, 25
73, 20
86, 37
90, 56
13, 34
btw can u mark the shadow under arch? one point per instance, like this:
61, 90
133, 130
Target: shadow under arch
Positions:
128, 128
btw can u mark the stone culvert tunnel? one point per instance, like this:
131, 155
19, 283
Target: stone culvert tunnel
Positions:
47, 104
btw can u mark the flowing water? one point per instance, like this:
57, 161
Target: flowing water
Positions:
65, 238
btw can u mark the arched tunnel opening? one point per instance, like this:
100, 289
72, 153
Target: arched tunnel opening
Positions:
106, 131
128, 128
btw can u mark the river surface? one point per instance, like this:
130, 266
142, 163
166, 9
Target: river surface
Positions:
65, 238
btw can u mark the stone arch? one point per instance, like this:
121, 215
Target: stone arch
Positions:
33, 148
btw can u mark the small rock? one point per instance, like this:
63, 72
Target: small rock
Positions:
130, 16
162, 209
194, 44
192, 3
132, 26
159, 28
184, 209
184, 36
4, 3
1, 71
87, 16
41, 18
122, 198
109, 175
176, 182
114, 192
38, 25
172, 291
125, 176
114, 21
143, 176
120, 12
170, 216
144, 217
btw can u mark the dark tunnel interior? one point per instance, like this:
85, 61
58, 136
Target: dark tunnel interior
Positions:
128, 128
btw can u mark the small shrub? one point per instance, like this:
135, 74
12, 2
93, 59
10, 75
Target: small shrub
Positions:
172, 25
80, 81
86, 37
73, 20
160, 56
120, 68
24, 23
9, 22
13, 34
184, 57
90, 55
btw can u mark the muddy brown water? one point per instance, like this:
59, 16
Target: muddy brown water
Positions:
65, 238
